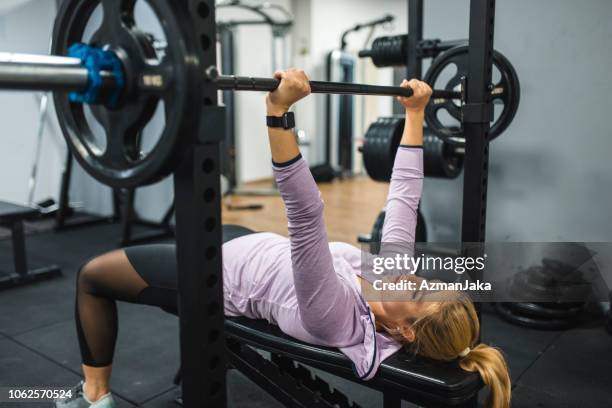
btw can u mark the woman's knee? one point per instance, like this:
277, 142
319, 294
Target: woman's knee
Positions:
91, 273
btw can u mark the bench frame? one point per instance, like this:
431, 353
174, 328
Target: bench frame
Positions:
23, 275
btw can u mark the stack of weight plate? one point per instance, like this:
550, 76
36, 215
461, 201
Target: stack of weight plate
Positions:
561, 286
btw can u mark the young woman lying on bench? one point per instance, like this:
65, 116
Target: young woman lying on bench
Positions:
310, 288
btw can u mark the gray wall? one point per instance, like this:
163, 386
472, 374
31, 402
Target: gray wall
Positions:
550, 174
26, 27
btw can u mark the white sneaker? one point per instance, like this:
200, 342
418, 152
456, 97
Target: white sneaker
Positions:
79, 400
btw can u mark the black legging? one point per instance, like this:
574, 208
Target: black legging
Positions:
144, 274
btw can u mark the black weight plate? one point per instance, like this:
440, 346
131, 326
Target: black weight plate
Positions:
380, 146
439, 157
542, 311
527, 321
546, 277
376, 234
539, 275
558, 278
561, 268
389, 51
173, 80
506, 92
523, 288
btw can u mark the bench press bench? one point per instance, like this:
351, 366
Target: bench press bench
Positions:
12, 217
401, 377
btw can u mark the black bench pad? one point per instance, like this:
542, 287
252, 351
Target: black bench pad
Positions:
412, 378
11, 212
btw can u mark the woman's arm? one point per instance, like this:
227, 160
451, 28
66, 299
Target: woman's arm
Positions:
325, 305
407, 179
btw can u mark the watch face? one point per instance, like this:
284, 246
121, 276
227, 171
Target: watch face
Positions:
288, 120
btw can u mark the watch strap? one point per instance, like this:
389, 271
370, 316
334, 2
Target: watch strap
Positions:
287, 121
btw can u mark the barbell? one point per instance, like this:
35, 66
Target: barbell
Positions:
120, 77
123, 111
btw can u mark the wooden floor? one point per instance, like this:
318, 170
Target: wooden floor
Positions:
351, 206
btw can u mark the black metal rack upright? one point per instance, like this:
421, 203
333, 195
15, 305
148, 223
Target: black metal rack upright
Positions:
477, 111
198, 233
476, 121
414, 64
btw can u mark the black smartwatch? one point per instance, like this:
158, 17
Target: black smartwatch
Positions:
287, 121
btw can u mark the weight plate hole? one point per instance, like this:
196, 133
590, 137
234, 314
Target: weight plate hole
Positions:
96, 137
93, 24
149, 24
152, 132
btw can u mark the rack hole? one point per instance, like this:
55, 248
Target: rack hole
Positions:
211, 252
208, 165
205, 42
212, 281
203, 10
213, 308
215, 387
213, 336
213, 362
209, 195
209, 224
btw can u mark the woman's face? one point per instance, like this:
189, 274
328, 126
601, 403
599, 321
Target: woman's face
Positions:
403, 308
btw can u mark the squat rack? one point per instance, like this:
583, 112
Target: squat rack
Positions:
191, 150
198, 218
198, 209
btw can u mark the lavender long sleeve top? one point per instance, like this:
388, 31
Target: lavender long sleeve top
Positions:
307, 285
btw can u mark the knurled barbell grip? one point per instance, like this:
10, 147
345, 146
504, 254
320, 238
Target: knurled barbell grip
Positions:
229, 82
237, 83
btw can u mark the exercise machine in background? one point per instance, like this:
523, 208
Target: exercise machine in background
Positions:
226, 31
134, 229
340, 109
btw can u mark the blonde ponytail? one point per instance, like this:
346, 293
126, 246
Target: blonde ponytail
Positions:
448, 330
491, 366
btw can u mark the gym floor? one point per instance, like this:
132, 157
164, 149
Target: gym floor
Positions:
38, 343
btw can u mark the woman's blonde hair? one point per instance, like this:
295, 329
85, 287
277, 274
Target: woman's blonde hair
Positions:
448, 331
